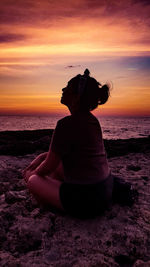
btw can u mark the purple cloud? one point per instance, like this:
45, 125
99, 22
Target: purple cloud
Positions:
45, 12
10, 37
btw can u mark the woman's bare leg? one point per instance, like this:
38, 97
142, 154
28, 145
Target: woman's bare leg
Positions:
45, 190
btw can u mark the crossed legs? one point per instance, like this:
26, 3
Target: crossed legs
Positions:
45, 189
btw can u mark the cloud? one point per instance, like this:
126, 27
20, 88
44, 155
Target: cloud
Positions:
30, 12
72, 66
143, 2
136, 63
13, 12
69, 27
11, 37
48, 12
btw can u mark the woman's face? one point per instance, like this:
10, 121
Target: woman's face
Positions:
67, 94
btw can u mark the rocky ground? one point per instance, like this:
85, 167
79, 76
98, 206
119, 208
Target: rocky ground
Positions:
32, 235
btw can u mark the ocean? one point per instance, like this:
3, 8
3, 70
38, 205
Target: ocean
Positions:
112, 127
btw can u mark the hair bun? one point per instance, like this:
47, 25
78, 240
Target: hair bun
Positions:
104, 93
87, 72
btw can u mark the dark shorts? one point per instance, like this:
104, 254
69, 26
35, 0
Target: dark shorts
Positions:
86, 200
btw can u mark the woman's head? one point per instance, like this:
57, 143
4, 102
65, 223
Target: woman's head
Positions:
85, 92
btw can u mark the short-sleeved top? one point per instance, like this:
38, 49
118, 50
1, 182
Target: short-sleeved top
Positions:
78, 140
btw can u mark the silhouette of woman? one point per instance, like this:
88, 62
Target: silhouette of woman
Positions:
74, 176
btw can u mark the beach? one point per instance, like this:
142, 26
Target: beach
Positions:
32, 235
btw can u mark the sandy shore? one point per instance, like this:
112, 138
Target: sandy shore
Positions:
35, 236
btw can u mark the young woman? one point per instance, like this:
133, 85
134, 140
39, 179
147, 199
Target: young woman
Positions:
74, 176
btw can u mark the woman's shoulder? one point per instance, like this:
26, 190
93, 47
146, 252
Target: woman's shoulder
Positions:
64, 121
94, 118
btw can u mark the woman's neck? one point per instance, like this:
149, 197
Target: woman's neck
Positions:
75, 111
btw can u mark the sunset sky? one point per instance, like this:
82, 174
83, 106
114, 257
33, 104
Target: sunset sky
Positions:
44, 43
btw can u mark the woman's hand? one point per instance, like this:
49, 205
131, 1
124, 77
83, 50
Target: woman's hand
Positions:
48, 165
31, 167
27, 173
27, 170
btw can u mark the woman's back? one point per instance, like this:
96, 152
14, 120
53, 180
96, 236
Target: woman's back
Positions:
78, 139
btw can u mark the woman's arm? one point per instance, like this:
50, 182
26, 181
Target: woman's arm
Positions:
33, 165
49, 165
37, 161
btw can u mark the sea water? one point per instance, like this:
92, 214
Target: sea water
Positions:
112, 127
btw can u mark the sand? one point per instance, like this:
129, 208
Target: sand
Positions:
32, 235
